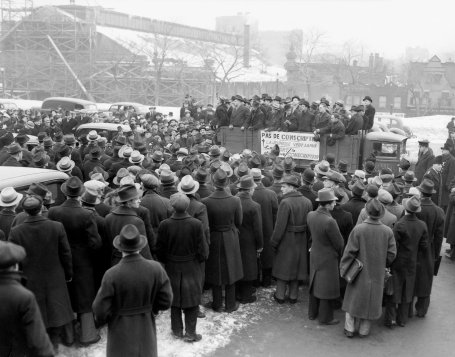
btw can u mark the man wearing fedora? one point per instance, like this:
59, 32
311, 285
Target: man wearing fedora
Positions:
277, 173
370, 111
22, 332
94, 161
131, 294
447, 175
411, 236
425, 159
84, 239
205, 188
167, 183
15, 156
46, 278
240, 113
268, 202
326, 249
39, 190
9, 200
182, 247
290, 241
433, 216
224, 264
373, 244
307, 187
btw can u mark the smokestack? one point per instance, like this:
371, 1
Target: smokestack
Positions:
246, 46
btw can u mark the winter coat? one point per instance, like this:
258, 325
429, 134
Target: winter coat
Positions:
221, 115
256, 120
7, 217
396, 209
224, 264
447, 175
204, 190
424, 162
22, 332
326, 249
88, 167
449, 224
167, 191
293, 119
250, 235
182, 247
197, 210
308, 192
306, 122
354, 206
158, 206
116, 220
276, 187
344, 221
373, 244
46, 278
321, 120
389, 219
290, 238
368, 117
354, 125
239, 116
131, 293
82, 233
334, 130
411, 236
269, 207
433, 216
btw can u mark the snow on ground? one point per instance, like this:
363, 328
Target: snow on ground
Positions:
216, 330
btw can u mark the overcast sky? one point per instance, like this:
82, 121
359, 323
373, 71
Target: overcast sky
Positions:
384, 26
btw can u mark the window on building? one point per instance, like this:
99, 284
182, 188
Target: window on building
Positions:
397, 103
382, 101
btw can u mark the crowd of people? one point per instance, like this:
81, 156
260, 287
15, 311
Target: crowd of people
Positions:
150, 219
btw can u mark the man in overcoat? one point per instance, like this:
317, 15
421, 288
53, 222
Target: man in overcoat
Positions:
9, 200
82, 233
290, 241
48, 267
447, 175
433, 216
22, 331
131, 294
182, 247
269, 207
250, 237
224, 264
425, 160
411, 236
373, 244
326, 249
356, 203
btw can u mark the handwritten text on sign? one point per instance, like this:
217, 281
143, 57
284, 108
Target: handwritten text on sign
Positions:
298, 145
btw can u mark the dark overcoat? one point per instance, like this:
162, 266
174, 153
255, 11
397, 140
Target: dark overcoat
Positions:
344, 221
158, 206
47, 267
7, 216
326, 249
433, 216
204, 190
167, 191
447, 175
308, 192
250, 235
239, 116
276, 187
22, 332
198, 210
131, 293
449, 224
11, 161
411, 236
373, 244
182, 247
224, 264
290, 238
82, 233
89, 165
116, 220
424, 162
269, 207
354, 206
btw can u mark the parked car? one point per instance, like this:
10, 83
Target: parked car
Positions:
70, 104
7, 104
120, 107
110, 128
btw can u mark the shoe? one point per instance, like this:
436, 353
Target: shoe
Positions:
362, 336
401, 324
348, 334
249, 300
333, 322
200, 314
292, 301
234, 308
177, 335
279, 301
67, 343
420, 315
210, 306
192, 338
88, 343
312, 317
389, 324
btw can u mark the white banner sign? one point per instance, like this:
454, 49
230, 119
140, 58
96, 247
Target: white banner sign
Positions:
298, 145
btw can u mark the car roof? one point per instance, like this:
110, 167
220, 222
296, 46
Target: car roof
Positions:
67, 99
385, 136
11, 176
133, 104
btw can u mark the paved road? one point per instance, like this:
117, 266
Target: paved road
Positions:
286, 330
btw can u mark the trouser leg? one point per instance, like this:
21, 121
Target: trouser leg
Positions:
402, 313
365, 327
280, 289
217, 297
349, 323
89, 332
191, 320
293, 289
390, 310
325, 311
422, 305
313, 307
229, 296
266, 277
176, 320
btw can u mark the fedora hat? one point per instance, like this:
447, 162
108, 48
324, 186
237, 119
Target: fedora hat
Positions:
179, 201
227, 168
98, 170
360, 174
182, 151
130, 239
65, 164
90, 198
188, 185
335, 177
385, 197
161, 168
409, 176
255, 161
241, 170
13, 149
40, 159
157, 156
246, 182
94, 186
375, 209
214, 151
95, 153
47, 142
278, 171
220, 178
358, 188
72, 187
125, 151
121, 173
202, 175
69, 139
326, 195
167, 178
127, 193
21, 139
343, 166
322, 168
37, 189
412, 204
288, 163
9, 197
10, 254
32, 203
136, 157
308, 176
120, 140
427, 186
98, 177
93, 136
292, 180
256, 174
64, 150
41, 136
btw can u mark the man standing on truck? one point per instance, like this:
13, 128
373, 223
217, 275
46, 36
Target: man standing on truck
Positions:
335, 130
306, 118
370, 111
240, 113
